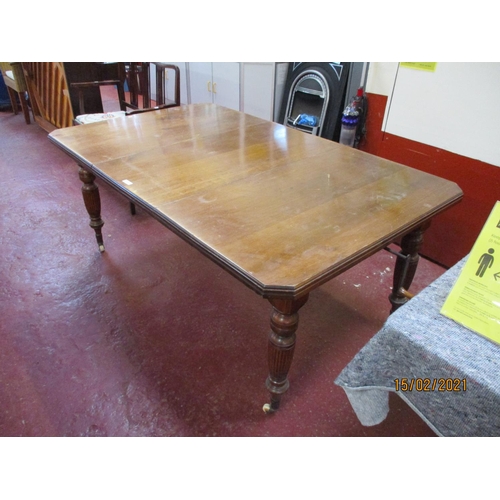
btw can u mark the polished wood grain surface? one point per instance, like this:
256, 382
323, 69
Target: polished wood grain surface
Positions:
282, 210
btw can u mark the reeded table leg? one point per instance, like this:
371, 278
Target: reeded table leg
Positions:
284, 322
92, 202
410, 246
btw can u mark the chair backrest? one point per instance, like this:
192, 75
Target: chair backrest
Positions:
48, 91
13, 76
161, 72
161, 98
136, 76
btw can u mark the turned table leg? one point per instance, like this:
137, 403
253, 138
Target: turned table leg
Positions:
92, 202
406, 265
284, 322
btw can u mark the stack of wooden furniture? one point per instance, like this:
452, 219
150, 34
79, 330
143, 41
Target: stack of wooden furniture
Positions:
59, 92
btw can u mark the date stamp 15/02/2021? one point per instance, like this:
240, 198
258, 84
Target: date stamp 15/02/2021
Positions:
431, 384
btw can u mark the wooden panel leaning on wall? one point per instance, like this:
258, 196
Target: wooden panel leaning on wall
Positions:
49, 94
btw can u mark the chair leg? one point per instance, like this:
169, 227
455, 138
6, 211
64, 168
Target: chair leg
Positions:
24, 107
13, 99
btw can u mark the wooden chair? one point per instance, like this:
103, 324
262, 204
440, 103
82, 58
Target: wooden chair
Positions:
49, 95
161, 95
16, 87
83, 118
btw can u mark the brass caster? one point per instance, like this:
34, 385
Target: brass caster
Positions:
267, 408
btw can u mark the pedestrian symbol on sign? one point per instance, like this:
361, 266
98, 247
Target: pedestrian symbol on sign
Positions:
485, 262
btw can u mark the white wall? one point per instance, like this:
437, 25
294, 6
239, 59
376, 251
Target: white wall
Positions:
381, 77
455, 108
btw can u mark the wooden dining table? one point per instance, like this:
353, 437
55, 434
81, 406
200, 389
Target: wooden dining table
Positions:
281, 210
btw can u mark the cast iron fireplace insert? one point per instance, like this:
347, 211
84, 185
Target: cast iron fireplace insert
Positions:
314, 96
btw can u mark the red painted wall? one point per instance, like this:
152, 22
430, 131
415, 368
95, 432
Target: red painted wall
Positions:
452, 233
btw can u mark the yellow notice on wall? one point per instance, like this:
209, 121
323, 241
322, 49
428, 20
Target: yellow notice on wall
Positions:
474, 300
423, 66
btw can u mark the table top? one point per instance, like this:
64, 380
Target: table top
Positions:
282, 210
